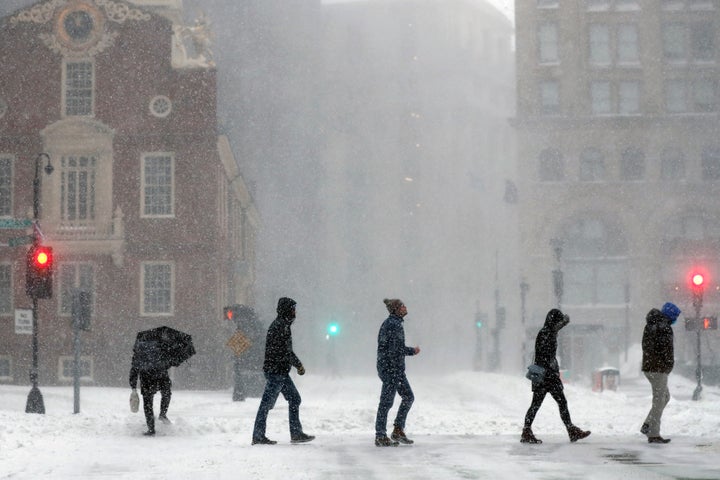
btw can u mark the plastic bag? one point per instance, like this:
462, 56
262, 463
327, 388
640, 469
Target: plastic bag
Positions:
134, 401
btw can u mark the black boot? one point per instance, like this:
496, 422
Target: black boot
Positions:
576, 433
384, 441
658, 439
399, 436
528, 436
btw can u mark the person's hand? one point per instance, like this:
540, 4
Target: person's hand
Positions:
417, 350
301, 370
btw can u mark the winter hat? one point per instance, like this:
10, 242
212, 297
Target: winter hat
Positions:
285, 307
393, 304
671, 311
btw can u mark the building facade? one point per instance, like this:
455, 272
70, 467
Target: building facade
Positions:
146, 208
619, 165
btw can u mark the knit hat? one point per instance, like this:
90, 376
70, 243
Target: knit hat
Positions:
671, 311
393, 304
285, 307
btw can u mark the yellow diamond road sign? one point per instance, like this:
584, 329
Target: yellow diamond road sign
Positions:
239, 343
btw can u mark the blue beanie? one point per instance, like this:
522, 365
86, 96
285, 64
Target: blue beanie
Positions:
671, 311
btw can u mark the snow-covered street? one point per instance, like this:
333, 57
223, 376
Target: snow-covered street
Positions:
466, 425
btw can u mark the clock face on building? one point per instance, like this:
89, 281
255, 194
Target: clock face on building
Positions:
78, 25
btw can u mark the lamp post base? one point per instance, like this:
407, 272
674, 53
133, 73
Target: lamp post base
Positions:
35, 402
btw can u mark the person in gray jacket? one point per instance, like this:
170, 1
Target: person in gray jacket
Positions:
658, 361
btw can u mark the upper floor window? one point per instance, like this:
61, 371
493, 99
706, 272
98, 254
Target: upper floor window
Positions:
627, 44
158, 185
77, 189
629, 97
607, 98
711, 163
632, 164
6, 185
613, 44
6, 291
158, 296
600, 44
705, 95
676, 5
689, 41
592, 165
75, 277
672, 164
548, 43
676, 96
600, 97
699, 95
551, 166
78, 88
549, 97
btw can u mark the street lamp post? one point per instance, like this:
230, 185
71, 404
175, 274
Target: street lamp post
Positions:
35, 403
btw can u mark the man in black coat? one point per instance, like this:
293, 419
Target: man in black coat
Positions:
279, 357
391, 355
545, 356
152, 381
658, 361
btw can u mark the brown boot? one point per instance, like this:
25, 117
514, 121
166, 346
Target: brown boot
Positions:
399, 436
576, 433
528, 436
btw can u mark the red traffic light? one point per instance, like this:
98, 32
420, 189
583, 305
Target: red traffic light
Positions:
709, 323
229, 313
698, 279
42, 258
38, 282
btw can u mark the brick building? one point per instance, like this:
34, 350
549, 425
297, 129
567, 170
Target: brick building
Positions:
145, 209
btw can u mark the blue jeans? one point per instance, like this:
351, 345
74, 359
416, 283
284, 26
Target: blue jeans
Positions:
277, 384
390, 386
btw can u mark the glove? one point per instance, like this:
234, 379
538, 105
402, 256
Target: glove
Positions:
301, 370
134, 401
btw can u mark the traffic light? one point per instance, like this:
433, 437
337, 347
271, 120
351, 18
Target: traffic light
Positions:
697, 287
333, 329
38, 281
229, 313
709, 323
704, 323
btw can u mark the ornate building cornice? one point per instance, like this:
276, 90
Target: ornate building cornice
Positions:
116, 11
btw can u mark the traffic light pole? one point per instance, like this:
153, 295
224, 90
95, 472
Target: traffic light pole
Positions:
697, 303
35, 402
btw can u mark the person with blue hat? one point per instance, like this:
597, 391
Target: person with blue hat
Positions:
658, 361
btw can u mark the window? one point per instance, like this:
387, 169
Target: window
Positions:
627, 40
600, 44
78, 92
702, 41
632, 163
158, 185
629, 98
6, 367
77, 189
66, 365
75, 277
600, 97
157, 288
674, 41
548, 41
6, 184
551, 166
705, 95
592, 165
548, 3
672, 164
711, 163
549, 97
676, 96
6, 291
689, 41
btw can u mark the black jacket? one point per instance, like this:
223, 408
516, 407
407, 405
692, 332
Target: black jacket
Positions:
279, 355
148, 378
658, 343
391, 349
546, 349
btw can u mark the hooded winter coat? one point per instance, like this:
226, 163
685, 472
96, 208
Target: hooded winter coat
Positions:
658, 343
279, 355
546, 349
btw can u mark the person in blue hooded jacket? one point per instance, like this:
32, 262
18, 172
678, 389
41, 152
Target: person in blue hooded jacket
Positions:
657, 363
391, 353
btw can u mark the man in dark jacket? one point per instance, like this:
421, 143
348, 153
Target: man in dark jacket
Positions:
658, 361
279, 357
545, 356
391, 354
152, 381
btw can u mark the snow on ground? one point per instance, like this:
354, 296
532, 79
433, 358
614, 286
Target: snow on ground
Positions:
466, 425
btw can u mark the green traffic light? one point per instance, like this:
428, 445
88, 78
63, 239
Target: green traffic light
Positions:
333, 329
478, 324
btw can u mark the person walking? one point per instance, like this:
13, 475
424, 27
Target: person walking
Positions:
545, 356
657, 363
391, 354
279, 357
152, 381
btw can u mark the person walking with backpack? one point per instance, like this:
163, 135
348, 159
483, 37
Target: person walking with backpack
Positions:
545, 356
279, 357
658, 361
391, 353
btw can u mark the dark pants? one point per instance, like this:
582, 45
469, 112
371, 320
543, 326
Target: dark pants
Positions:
275, 385
149, 386
554, 388
390, 386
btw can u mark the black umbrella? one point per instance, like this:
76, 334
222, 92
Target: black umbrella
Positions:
161, 348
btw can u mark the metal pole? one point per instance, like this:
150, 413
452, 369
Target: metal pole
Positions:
35, 402
76, 367
698, 325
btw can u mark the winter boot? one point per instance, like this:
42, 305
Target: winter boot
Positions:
528, 436
576, 433
263, 441
658, 439
149, 433
164, 419
399, 436
302, 438
384, 441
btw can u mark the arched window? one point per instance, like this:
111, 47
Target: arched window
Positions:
595, 263
592, 165
632, 162
551, 166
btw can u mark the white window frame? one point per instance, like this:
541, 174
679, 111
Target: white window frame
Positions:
144, 292
9, 377
66, 362
83, 201
145, 185
65, 89
83, 278
7, 191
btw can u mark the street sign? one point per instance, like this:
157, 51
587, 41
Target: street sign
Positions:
17, 241
239, 343
23, 322
15, 223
